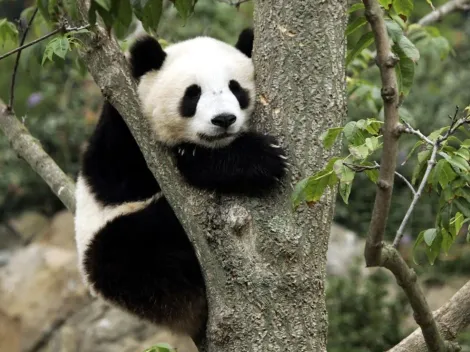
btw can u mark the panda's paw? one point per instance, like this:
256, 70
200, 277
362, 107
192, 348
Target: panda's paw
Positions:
274, 161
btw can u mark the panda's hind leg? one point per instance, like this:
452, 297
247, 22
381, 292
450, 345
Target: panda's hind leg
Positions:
144, 263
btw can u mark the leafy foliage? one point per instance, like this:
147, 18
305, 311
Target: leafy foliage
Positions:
162, 347
357, 308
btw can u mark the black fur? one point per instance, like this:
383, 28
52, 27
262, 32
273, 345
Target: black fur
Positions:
241, 94
145, 263
245, 42
146, 55
190, 99
113, 164
251, 165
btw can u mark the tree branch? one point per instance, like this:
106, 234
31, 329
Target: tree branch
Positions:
17, 61
453, 317
62, 29
417, 195
440, 12
386, 62
29, 149
376, 253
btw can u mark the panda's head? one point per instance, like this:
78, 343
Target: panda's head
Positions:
199, 91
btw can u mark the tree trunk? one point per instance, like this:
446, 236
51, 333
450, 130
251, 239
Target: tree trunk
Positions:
264, 265
269, 292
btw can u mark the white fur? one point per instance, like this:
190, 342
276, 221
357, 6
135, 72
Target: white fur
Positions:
91, 216
211, 64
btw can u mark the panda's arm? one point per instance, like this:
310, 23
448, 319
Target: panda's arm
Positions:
251, 165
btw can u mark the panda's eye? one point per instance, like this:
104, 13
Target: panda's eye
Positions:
240, 93
190, 99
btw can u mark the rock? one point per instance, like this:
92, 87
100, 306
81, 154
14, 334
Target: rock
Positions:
29, 225
344, 250
61, 232
100, 328
40, 287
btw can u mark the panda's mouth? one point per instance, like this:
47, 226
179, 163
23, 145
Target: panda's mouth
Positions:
217, 137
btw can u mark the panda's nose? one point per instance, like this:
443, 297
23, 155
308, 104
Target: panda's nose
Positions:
224, 120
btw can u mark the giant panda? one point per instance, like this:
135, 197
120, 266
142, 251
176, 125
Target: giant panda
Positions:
199, 96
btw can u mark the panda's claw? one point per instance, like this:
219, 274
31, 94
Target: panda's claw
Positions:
283, 157
182, 152
275, 146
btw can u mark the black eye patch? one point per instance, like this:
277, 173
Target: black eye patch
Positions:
241, 94
190, 99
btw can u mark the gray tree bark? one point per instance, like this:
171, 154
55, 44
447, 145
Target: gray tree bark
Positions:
264, 265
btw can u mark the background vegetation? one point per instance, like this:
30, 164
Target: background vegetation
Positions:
60, 105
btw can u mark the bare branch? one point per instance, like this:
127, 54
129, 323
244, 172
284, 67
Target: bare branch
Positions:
17, 61
404, 179
440, 12
386, 62
62, 29
29, 149
453, 317
417, 195
407, 279
235, 3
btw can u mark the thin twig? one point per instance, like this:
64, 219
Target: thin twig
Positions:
15, 69
417, 195
55, 31
235, 3
360, 168
440, 12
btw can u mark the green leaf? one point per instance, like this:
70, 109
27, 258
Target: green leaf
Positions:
386, 4
365, 41
408, 48
459, 162
105, 4
433, 251
330, 136
345, 190
463, 205
373, 143
405, 71
360, 152
61, 47
394, 30
423, 158
403, 8
417, 144
447, 240
457, 222
464, 153
123, 13
355, 7
149, 12
373, 126
355, 25
429, 236
8, 32
373, 175
353, 133
443, 174
184, 7
346, 177
161, 347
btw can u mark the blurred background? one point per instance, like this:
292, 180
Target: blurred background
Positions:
43, 305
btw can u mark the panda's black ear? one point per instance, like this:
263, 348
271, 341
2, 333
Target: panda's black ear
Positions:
245, 42
146, 54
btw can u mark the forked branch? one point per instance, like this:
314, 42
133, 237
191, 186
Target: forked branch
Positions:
376, 253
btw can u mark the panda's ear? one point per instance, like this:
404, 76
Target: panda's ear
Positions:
146, 54
245, 42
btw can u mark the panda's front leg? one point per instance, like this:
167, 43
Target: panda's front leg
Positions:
251, 165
